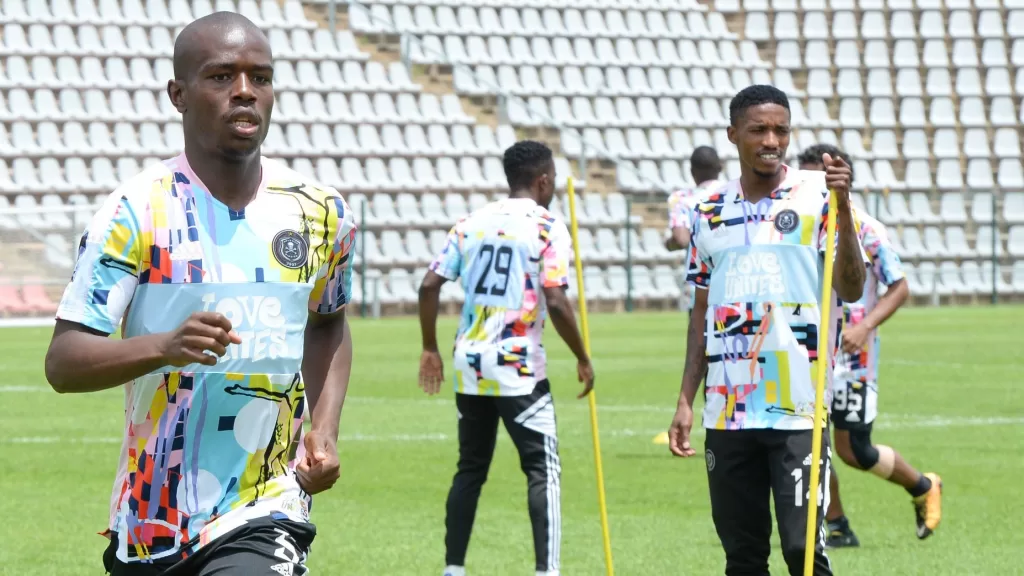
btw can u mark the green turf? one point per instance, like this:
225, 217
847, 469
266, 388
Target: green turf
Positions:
949, 402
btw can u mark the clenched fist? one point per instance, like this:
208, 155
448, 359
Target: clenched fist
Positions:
202, 332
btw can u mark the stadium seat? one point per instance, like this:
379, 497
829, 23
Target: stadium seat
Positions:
986, 240
949, 281
1015, 241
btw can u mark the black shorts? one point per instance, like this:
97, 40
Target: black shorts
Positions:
748, 470
854, 404
262, 547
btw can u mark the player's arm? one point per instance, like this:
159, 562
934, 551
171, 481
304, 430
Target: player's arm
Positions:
326, 367
887, 267
848, 273
562, 316
888, 304
679, 239
327, 358
81, 357
696, 349
679, 233
554, 280
698, 273
84, 359
693, 372
447, 266
430, 301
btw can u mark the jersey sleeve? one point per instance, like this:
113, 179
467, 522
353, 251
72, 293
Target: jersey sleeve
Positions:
333, 286
105, 277
555, 257
885, 262
678, 212
822, 230
699, 264
448, 264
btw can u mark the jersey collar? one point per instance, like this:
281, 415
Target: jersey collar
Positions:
780, 193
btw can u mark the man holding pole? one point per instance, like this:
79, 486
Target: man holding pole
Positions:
513, 258
756, 260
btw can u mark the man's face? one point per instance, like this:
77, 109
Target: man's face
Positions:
761, 137
546, 186
228, 99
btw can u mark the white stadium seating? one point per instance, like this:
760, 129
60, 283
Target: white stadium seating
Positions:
925, 97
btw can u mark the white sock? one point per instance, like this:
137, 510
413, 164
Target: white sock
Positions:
547, 573
455, 571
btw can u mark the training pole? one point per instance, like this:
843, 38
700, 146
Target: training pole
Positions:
824, 357
591, 397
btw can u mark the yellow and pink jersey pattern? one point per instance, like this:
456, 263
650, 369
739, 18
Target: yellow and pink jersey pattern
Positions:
505, 253
761, 265
207, 448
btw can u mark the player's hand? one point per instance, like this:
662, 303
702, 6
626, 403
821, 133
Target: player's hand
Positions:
838, 177
679, 432
854, 338
431, 371
202, 332
585, 373
319, 468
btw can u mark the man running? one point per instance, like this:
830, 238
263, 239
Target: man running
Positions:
228, 274
513, 258
756, 259
855, 387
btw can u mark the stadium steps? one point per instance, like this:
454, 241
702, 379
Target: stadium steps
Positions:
437, 79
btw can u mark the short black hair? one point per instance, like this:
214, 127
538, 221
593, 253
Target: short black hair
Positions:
755, 96
704, 159
524, 161
813, 154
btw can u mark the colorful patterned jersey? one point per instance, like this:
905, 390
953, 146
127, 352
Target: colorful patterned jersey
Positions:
762, 266
207, 448
505, 254
885, 268
682, 202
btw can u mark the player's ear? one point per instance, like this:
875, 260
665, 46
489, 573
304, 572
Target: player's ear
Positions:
731, 133
176, 92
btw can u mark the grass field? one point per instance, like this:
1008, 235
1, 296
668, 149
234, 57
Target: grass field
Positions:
950, 402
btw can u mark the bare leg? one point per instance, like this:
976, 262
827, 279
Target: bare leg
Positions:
835, 507
840, 535
904, 474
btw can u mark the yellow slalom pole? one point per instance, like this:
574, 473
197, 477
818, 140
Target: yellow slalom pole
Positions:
824, 356
591, 397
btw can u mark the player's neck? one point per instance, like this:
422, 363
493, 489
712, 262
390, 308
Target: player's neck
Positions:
702, 178
756, 187
234, 184
522, 195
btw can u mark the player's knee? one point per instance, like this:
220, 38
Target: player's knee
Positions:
865, 456
474, 467
793, 552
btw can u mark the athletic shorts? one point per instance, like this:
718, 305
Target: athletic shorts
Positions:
748, 471
261, 547
854, 404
